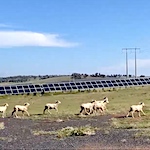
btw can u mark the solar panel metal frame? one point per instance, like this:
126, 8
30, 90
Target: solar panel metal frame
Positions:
69, 86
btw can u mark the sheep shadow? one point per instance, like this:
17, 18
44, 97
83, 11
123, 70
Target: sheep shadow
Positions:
120, 116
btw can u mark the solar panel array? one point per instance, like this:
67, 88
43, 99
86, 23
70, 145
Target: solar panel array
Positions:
71, 86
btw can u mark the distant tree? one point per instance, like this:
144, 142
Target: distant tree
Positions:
85, 75
76, 76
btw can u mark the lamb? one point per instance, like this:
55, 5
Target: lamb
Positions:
49, 106
101, 105
87, 106
23, 108
3, 109
136, 108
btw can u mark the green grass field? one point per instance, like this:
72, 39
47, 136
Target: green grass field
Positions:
120, 101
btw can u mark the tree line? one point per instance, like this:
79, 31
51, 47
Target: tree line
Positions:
27, 78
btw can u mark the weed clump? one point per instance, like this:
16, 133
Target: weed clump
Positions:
69, 131
76, 131
2, 126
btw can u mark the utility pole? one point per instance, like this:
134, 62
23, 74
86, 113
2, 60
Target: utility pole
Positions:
126, 49
136, 62
135, 49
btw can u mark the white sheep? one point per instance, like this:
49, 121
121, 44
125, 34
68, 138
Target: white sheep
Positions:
136, 108
49, 106
23, 108
87, 106
3, 109
101, 105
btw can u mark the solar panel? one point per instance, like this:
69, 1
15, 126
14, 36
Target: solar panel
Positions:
46, 89
7, 88
31, 86
45, 86
74, 87
25, 86
61, 84
13, 87
50, 85
72, 84
57, 88
27, 90
148, 82
1, 88
8, 92
100, 86
15, 92
52, 89
68, 86
98, 82
32, 90
63, 88
2, 92
95, 86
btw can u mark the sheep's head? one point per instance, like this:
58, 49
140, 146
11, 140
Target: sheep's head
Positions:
106, 98
6, 105
106, 101
93, 101
26, 104
141, 103
58, 102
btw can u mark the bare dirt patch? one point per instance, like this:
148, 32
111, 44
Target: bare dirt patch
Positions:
18, 134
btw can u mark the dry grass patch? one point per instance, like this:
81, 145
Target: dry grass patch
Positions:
142, 133
69, 131
130, 123
2, 126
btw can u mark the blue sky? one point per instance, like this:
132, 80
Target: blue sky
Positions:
40, 37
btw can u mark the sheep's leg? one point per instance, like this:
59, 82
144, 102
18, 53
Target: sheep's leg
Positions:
3, 114
132, 114
45, 109
16, 114
81, 110
13, 112
101, 110
27, 113
127, 114
143, 112
16, 111
56, 110
87, 112
49, 111
105, 109
94, 110
139, 114
23, 114
90, 111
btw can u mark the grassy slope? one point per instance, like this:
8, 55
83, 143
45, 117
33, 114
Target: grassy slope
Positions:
36, 81
51, 80
120, 102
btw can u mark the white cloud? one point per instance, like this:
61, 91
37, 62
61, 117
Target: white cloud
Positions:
27, 38
143, 66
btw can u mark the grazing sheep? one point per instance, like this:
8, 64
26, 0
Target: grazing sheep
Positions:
136, 108
49, 106
23, 108
87, 106
3, 109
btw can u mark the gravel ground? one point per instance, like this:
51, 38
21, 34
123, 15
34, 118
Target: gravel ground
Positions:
17, 134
